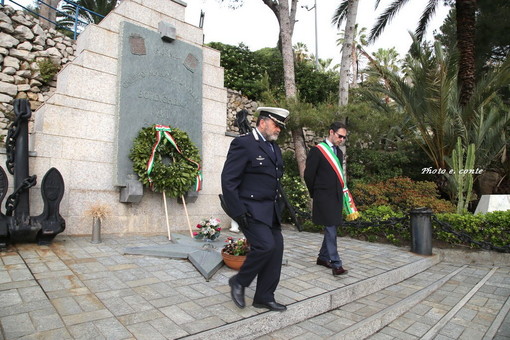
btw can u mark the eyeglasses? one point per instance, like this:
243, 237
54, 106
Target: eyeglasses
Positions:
340, 136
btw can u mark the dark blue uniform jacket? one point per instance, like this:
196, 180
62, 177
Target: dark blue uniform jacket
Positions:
250, 179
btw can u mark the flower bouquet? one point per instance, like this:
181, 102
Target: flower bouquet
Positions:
209, 229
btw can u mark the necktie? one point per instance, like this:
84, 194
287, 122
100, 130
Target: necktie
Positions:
270, 145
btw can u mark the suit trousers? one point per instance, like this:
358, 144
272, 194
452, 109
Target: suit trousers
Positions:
264, 260
329, 250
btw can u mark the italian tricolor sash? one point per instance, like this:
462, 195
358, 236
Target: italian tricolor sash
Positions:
163, 131
348, 202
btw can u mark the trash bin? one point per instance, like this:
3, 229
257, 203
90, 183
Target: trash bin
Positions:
421, 231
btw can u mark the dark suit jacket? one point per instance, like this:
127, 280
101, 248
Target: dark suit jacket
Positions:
250, 178
325, 189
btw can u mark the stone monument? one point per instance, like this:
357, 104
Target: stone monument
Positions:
160, 82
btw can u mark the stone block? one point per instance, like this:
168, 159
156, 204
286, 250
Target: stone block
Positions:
213, 76
212, 56
216, 111
90, 176
87, 149
111, 23
489, 203
189, 33
132, 192
9, 89
75, 123
215, 93
175, 9
166, 31
99, 40
59, 99
94, 85
47, 145
99, 62
138, 13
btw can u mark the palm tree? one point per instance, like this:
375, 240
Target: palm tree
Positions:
301, 52
360, 41
386, 59
465, 20
351, 11
101, 7
429, 93
325, 64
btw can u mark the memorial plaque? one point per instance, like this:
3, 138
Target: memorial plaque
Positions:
160, 82
137, 45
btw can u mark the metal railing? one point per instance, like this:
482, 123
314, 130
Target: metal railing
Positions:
78, 25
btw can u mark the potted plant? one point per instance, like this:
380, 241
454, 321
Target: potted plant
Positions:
234, 252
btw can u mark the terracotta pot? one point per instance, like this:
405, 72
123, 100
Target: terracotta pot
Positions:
232, 261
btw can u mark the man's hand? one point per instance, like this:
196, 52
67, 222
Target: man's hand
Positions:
242, 220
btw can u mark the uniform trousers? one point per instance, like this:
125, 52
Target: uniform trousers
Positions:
264, 260
329, 250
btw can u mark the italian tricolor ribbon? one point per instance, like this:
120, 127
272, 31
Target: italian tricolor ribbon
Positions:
348, 202
163, 131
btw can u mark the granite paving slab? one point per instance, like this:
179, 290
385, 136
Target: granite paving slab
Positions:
74, 289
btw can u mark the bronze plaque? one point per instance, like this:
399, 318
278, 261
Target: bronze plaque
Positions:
137, 45
191, 62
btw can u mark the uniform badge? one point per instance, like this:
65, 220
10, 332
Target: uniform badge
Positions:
260, 158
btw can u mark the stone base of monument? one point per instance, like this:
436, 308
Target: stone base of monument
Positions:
489, 203
206, 257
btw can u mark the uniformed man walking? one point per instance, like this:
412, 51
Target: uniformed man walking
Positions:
250, 183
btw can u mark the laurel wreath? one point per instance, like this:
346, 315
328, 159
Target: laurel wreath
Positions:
172, 172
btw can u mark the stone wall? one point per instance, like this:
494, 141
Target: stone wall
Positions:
235, 103
24, 43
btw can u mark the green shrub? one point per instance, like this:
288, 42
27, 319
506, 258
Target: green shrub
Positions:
243, 72
47, 69
401, 194
297, 194
394, 233
375, 165
493, 227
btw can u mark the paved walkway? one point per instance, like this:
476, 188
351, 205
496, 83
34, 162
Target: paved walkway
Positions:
73, 289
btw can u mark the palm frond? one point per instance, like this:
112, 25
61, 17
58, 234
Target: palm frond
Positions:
425, 18
385, 18
340, 14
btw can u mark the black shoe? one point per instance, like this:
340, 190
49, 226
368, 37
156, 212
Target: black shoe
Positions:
339, 271
271, 305
236, 292
324, 263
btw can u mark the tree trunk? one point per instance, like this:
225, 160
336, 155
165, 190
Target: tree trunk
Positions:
466, 20
346, 61
287, 53
286, 18
48, 14
299, 150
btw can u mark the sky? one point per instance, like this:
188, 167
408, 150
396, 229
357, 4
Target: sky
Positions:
255, 25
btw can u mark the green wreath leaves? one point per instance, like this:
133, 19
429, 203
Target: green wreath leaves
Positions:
172, 173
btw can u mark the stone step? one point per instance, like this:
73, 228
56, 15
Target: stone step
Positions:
446, 301
268, 322
473, 305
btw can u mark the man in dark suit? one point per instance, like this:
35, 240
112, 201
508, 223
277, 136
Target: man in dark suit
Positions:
326, 190
250, 183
